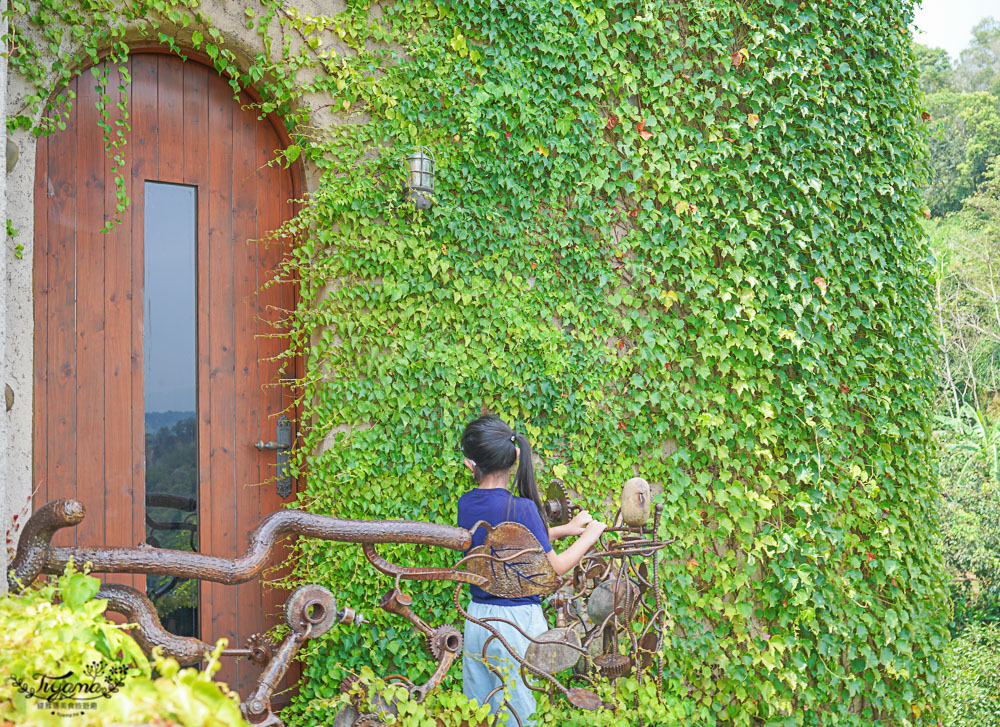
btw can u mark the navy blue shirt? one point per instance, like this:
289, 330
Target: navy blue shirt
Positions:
497, 505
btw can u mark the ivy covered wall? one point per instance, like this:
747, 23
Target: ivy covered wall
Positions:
670, 238
673, 238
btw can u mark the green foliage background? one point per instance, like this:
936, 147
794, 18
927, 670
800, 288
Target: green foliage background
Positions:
963, 103
748, 282
673, 238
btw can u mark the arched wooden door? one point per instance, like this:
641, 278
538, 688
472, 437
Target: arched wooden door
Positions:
155, 344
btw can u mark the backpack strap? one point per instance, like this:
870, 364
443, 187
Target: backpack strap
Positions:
510, 501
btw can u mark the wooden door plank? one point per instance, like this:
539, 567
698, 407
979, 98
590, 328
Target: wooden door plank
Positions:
271, 206
247, 420
40, 256
269, 330
145, 165
287, 372
170, 121
197, 144
90, 315
222, 605
61, 399
117, 345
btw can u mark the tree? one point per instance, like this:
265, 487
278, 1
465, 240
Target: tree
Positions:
936, 72
967, 248
965, 136
979, 64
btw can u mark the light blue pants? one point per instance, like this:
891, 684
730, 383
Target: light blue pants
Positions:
477, 679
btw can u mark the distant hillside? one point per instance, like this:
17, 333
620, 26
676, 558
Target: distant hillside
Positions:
155, 420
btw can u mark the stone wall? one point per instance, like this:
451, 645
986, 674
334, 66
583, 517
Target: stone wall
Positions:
5, 491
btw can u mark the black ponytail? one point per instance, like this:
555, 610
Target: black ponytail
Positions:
493, 445
525, 481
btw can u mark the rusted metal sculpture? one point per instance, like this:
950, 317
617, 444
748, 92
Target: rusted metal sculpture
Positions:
595, 607
609, 613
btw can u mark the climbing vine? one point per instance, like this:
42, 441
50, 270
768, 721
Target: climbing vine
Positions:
672, 238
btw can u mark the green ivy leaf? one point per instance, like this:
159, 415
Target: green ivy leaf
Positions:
79, 588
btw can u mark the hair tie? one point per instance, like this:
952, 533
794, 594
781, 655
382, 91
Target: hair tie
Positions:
512, 438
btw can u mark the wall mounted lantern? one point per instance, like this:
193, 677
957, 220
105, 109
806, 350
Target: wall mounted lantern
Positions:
420, 178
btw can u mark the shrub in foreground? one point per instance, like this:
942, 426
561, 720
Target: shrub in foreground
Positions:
57, 647
972, 678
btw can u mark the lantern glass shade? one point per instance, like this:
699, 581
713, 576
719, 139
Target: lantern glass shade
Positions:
420, 176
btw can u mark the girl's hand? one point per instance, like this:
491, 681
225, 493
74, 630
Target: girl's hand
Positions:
565, 561
579, 523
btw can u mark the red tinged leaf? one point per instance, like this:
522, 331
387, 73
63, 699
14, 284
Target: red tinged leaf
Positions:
507, 134
612, 122
641, 128
925, 116
737, 58
845, 389
633, 213
821, 284
871, 556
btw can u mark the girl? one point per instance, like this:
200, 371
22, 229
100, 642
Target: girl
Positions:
491, 448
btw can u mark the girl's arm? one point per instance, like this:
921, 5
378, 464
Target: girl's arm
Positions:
576, 526
566, 560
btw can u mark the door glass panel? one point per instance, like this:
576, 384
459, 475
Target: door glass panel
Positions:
170, 368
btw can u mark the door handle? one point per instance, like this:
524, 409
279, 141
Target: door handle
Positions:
281, 445
262, 445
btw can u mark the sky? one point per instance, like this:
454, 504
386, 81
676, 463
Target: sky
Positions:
948, 23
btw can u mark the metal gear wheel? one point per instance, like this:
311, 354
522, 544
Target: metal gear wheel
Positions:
348, 682
346, 685
310, 609
557, 504
262, 648
613, 666
444, 638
